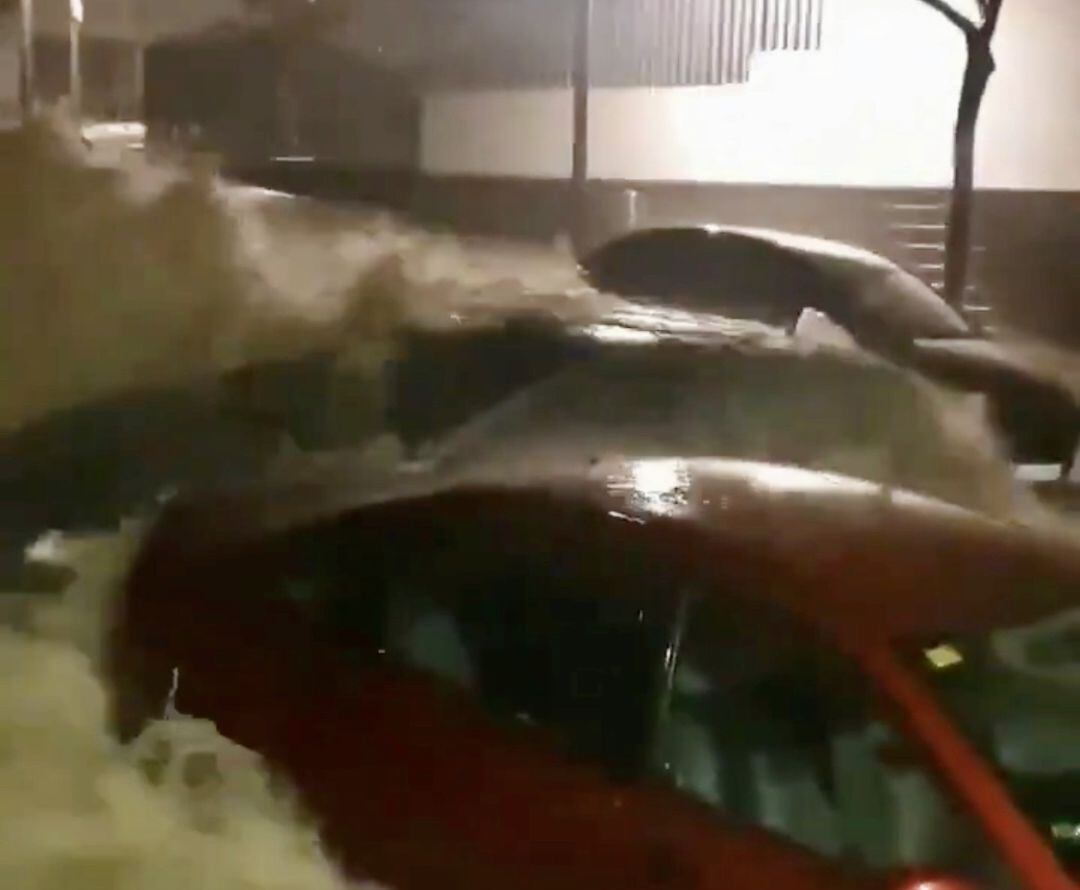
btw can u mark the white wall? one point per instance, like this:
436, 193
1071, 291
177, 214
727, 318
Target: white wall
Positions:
498, 133
846, 115
875, 107
1029, 130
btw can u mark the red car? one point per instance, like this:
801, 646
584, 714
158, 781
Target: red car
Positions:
633, 674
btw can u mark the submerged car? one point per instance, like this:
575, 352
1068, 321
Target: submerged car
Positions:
651, 381
629, 673
774, 275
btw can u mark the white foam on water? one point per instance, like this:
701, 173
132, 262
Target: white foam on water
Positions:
180, 807
134, 270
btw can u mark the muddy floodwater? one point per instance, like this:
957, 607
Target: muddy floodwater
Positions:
118, 274
121, 275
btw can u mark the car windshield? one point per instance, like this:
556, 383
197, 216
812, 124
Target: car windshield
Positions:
1015, 691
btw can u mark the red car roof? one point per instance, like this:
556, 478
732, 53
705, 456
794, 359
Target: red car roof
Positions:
879, 560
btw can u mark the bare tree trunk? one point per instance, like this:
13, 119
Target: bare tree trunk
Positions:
978, 36
980, 65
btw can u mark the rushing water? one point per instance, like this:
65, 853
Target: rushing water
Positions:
119, 274
116, 273
180, 807
127, 272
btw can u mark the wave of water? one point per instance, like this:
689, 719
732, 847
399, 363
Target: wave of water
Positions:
179, 807
116, 271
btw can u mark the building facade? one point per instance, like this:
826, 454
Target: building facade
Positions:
830, 117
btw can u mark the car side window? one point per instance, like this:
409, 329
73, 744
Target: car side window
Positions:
768, 726
565, 631
565, 637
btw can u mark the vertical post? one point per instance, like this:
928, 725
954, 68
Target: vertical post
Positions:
139, 76
980, 65
138, 71
27, 78
579, 176
75, 69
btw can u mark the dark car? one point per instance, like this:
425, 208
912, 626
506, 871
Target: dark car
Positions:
651, 381
630, 673
773, 275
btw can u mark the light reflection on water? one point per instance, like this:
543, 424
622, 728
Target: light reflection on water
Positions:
659, 486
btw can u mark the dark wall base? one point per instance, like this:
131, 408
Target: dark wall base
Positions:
393, 188
533, 209
539, 208
1026, 266
1030, 270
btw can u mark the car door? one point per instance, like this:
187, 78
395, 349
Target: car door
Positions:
767, 724
482, 677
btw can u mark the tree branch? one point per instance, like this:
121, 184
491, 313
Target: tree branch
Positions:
962, 22
991, 10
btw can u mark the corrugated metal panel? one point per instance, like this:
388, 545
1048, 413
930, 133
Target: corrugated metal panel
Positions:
528, 43
690, 42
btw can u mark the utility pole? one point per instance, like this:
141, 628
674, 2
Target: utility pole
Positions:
75, 69
579, 176
27, 58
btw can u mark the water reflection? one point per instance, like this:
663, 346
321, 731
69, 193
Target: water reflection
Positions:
658, 486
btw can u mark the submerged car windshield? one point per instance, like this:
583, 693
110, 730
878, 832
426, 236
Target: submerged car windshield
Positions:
1015, 691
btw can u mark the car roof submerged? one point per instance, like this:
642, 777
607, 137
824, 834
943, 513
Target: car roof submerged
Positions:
854, 553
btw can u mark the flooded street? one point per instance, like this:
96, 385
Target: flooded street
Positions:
539, 445
121, 277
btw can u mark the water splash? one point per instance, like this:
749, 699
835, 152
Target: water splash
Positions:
118, 270
181, 806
